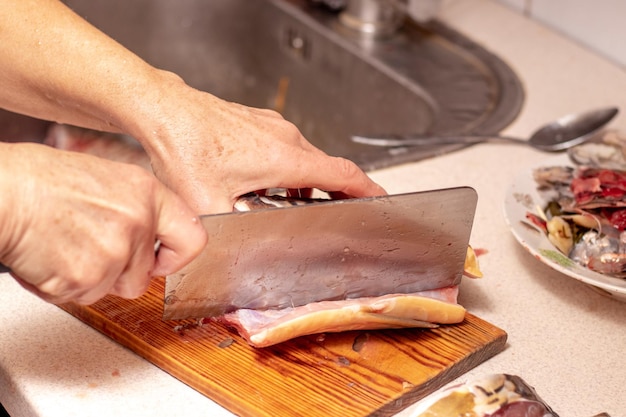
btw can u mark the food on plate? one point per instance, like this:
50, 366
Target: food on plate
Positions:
496, 395
426, 309
585, 217
560, 234
608, 151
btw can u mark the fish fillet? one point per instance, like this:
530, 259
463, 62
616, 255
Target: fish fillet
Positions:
426, 309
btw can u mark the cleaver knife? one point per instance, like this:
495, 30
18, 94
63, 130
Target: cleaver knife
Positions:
330, 250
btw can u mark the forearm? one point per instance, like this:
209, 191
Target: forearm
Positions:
56, 66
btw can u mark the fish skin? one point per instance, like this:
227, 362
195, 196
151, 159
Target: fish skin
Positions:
426, 309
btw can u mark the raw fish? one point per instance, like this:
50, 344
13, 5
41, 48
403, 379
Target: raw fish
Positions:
116, 147
426, 309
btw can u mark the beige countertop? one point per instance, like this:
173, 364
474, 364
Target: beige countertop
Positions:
565, 339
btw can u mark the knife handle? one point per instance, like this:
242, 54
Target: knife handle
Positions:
4, 268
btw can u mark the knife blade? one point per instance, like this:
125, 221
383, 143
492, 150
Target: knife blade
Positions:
292, 256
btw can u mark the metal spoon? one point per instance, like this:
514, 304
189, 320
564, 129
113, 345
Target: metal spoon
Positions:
561, 134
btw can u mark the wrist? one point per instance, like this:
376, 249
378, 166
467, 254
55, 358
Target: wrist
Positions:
5, 189
15, 160
149, 115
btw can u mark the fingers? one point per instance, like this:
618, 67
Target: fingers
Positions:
181, 237
134, 278
59, 289
356, 182
315, 169
340, 177
181, 234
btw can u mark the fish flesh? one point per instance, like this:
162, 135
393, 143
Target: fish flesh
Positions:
113, 146
494, 395
426, 309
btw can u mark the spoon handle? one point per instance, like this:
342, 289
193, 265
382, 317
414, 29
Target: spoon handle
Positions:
425, 140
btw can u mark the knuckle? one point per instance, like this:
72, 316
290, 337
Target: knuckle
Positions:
346, 168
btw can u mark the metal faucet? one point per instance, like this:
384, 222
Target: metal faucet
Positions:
374, 17
380, 18
369, 17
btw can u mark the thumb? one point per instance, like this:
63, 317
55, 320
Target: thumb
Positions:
180, 233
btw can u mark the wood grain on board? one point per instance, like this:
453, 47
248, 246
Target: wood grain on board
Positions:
357, 373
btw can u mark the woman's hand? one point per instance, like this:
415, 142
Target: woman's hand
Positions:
211, 151
75, 227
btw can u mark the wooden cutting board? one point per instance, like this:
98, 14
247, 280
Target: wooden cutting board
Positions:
359, 373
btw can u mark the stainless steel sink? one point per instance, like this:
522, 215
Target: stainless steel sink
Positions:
296, 57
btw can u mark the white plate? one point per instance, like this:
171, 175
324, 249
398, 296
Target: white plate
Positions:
522, 197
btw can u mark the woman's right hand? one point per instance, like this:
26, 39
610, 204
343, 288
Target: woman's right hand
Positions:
74, 227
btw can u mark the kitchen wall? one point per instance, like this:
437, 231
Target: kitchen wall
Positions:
599, 25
